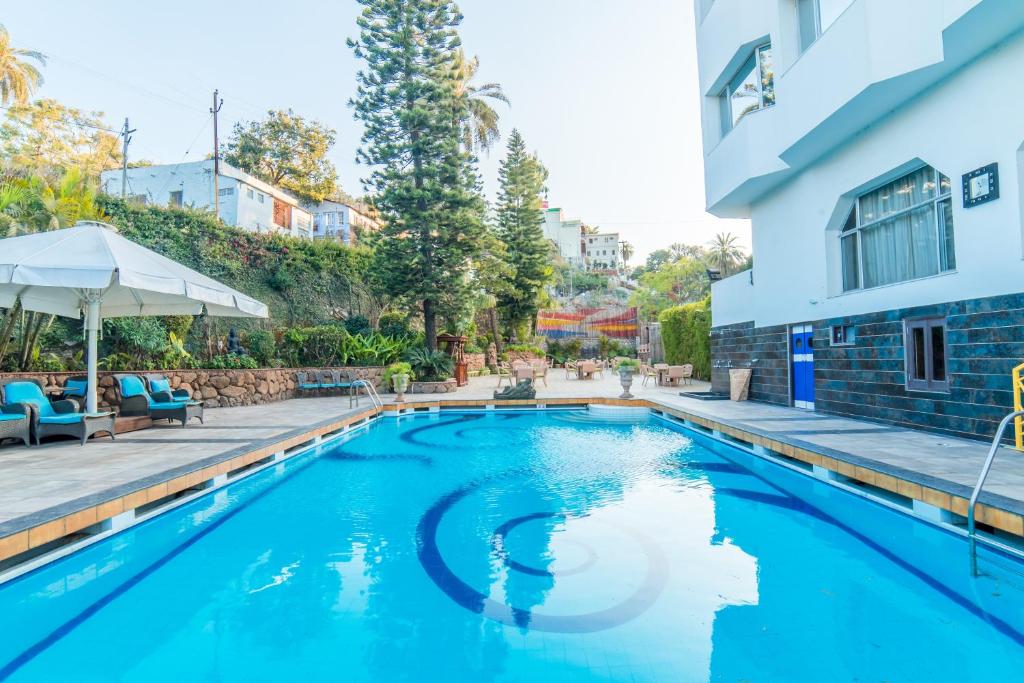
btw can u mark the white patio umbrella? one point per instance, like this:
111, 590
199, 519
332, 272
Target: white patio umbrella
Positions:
91, 269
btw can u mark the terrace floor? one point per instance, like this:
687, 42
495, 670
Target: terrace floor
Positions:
39, 485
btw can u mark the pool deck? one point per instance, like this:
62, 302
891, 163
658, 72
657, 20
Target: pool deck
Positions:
61, 489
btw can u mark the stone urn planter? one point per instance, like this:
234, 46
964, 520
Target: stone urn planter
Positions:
626, 380
401, 384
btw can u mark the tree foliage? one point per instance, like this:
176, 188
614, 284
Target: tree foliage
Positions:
678, 282
425, 184
522, 177
288, 151
18, 77
46, 135
686, 333
479, 120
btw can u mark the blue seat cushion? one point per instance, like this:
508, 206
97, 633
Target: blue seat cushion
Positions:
29, 392
157, 385
168, 405
66, 419
181, 399
75, 387
133, 386
10, 416
307, 385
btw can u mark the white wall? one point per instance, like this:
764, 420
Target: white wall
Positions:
966, 122
732, 300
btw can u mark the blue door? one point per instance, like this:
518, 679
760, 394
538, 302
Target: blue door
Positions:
802, 349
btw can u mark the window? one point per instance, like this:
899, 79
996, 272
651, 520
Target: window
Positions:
843, 335
901, 231
259, 197
226, 191
924, 343
816, 16
249, 193
750, 90
177, 198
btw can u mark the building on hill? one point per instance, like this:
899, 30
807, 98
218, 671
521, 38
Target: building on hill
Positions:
245, 201
341, 221
602, 253
875, 150
565, 234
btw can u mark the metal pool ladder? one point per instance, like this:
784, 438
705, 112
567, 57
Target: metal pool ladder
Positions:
371, 391
972, 532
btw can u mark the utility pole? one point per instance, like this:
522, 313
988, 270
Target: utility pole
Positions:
125, 139
215, 109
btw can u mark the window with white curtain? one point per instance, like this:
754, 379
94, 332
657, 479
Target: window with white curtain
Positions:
751, 89
901, 231
816, 16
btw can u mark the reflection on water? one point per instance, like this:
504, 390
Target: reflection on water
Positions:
499, 547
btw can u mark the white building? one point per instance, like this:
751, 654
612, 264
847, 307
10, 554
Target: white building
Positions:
245, 201
876, 147
341, 221
565, 234
602, 251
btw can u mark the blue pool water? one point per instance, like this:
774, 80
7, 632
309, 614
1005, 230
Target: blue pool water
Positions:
526, 546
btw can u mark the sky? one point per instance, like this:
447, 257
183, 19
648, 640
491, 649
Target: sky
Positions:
604, 91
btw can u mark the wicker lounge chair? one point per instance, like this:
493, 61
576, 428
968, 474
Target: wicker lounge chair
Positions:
160, 384
136, 400
57, 418
74, 390
16, 423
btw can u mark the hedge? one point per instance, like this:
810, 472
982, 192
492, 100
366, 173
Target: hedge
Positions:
303, 282
686, 334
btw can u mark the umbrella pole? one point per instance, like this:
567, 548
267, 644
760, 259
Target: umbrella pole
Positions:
92, 324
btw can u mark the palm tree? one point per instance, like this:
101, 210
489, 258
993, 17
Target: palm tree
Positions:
723, 252
479, 120
626, 249
18, 78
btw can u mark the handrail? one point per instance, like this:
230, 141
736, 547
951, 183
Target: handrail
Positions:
371, 392
1018, 404
972, 535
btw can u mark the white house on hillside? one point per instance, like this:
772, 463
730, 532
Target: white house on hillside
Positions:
565, 234
341, 221
602, 251
878, 149
245, 201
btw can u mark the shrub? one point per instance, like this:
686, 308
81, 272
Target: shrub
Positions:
631, 364
262, 346
394, 324
358, 324
686, 333
525, 348
231, 361
431, 366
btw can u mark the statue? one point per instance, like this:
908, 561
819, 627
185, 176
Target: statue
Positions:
520, 391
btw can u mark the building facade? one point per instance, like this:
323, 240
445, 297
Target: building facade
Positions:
340, 221
601, 252
875, 149
565, 235
244, 201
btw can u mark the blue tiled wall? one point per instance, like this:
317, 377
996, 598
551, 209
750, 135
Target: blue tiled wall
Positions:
764, 349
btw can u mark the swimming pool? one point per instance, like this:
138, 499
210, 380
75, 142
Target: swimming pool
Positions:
518, 546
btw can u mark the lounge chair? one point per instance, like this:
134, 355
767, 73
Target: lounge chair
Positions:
159, 384
306, 383
136, 400
74, 390
16, 423
57, 418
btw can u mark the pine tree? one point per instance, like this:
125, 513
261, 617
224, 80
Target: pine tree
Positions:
520, 220
425, 185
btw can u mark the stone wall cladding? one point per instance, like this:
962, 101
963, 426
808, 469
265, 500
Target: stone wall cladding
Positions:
765, 350
475, 361
446, 387
216, 388
984, 339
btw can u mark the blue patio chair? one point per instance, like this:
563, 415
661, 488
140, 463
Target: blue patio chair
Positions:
135, 399
15, 423
159, 384
56, 418
327, 380
307, 384
74, 390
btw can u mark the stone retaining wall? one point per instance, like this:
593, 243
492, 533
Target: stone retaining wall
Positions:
447, 387
216, 388
475, 361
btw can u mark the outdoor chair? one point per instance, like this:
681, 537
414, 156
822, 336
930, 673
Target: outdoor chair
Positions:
662, 371
677, 374
306, 383
687, 377
540, 371
74, 390
648, 372
342, 380
57, 418
599, 366
160, 384
586, 369
16, 423
326, 379
136, 400
504, 372
570, 369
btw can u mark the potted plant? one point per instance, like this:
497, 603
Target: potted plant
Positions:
626, 368
398, 376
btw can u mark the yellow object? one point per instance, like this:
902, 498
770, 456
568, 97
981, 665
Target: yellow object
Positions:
1018, 389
